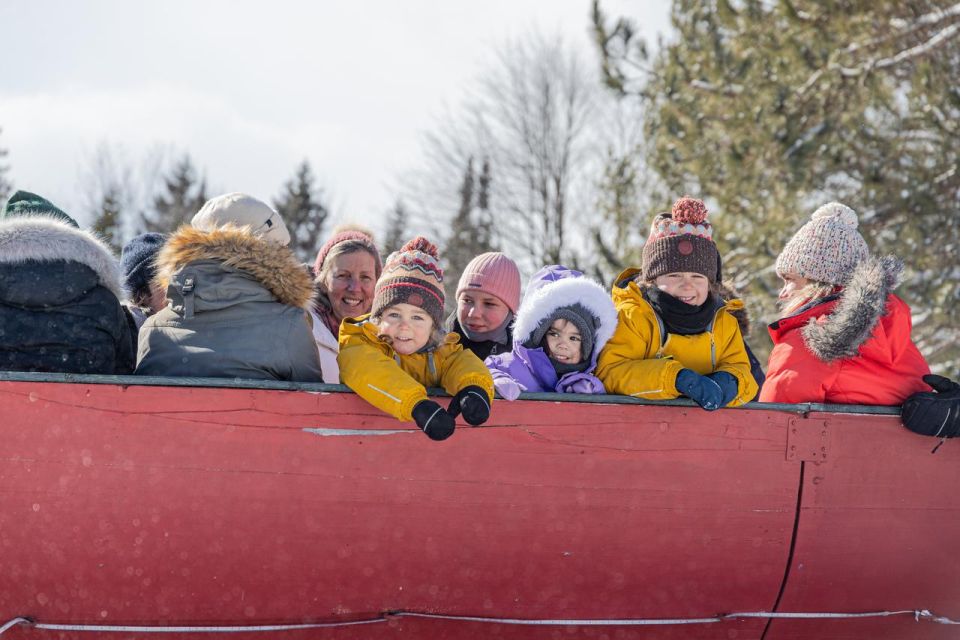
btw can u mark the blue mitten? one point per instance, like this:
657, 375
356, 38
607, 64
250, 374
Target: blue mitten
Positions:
728, 385
701, 389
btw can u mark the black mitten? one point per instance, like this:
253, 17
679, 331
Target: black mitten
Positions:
934, 413
434, 420
473, 402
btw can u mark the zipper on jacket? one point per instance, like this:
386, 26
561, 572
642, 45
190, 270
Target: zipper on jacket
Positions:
186, 290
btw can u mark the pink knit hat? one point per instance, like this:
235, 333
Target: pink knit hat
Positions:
495, 274
362, 237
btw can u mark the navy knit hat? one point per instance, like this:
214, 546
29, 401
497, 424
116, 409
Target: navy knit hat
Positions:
137, 261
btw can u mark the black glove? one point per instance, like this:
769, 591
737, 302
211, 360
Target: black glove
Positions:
473, 402
434, 420
934, 413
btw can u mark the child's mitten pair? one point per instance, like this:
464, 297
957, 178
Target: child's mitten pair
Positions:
711, 392
439, 423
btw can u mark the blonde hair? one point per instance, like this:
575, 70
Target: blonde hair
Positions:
800, 297
437, 333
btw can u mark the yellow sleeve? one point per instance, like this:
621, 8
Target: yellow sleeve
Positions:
625, 367
376, 377
732, 358
462, 368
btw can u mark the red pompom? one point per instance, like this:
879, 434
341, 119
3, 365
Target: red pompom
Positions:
689, 210
421, 244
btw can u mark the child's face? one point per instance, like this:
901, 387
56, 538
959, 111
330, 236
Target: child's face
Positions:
480, 312
407, 326
685, 286
563, 342
792, 283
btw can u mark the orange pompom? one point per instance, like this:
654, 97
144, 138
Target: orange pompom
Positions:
423, 245
689, 210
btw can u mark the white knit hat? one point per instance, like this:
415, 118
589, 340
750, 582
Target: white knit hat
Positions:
242, 210
826, 249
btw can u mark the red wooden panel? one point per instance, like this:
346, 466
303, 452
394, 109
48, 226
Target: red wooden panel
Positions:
146, 505
878, 528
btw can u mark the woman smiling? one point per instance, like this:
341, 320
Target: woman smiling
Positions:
346, 269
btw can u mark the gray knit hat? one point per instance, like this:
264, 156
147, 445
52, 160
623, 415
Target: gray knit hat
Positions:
826, 249
581, 317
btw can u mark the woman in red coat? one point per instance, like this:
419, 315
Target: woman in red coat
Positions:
843, 336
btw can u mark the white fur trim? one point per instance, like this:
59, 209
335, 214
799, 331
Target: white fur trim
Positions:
541, 303
47, 240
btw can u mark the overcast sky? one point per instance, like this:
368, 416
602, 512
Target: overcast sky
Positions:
250, 89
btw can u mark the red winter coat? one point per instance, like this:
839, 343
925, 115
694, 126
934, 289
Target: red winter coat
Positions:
857, 351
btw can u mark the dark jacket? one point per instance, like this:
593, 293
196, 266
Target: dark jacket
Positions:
236, 309
60, 292
484, 348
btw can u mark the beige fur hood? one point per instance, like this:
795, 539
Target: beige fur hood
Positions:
269, 263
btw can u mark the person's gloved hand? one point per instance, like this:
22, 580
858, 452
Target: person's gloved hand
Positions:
434, 420
507, 387
581, 383
473, 403
934, 413
701, 389
728, 385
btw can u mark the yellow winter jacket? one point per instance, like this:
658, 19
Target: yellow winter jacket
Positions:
396, 383
640, 361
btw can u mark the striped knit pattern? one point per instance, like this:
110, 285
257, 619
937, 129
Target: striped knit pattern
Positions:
412, 275
681, 241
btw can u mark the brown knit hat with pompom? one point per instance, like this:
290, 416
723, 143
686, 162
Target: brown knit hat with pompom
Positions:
411, 275
682, 241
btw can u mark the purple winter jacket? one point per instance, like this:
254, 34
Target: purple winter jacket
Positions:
530, 369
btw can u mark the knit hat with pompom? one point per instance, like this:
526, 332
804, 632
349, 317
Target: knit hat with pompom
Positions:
682, 241
826, 249
411, 275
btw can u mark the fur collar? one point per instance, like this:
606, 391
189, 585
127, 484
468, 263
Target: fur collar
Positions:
539, 304
271, 264
863, 301
46, 239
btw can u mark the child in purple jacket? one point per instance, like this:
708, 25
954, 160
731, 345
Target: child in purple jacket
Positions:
560, 328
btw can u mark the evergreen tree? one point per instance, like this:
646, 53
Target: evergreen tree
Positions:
5, 186
183, 196
396, 228
303, 212
470, 232
769, 109
108, 219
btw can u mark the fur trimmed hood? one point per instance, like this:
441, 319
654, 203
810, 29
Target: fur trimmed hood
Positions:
271, 264
554, 287
46, 239
859, 307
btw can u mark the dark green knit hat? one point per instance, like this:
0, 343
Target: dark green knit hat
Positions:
25, 204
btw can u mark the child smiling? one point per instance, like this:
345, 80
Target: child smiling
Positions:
562, 323
676, 335
390, 356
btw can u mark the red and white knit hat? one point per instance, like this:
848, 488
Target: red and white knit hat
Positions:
681, 241
411, 275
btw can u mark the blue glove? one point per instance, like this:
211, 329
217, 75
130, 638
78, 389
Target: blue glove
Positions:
701, 389
728, 385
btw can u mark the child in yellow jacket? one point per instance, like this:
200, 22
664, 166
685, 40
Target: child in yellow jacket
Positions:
392, 354
675, 335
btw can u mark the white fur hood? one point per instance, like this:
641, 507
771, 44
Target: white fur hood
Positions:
45, 239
